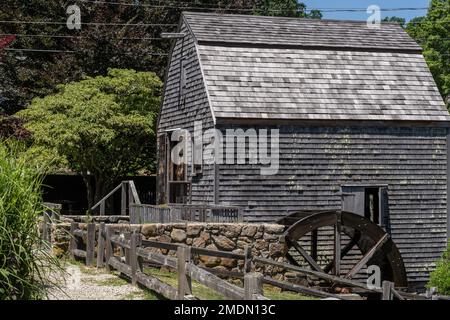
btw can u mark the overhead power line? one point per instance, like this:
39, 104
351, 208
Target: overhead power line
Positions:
68, 51
73, 37
192, 6
91, 23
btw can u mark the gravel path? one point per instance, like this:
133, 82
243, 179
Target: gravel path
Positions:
82, 283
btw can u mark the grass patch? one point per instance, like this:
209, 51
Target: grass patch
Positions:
204, 293
83, 268
274, 293
198, 290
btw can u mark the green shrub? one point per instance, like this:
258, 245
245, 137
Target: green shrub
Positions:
25, 261
440, 278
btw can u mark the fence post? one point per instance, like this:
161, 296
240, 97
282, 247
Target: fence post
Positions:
135, 241
184, 281
123, 203
108, 247
101, 245
73, 239
387, 290
253, 284
102, 208
90, 244
248, 259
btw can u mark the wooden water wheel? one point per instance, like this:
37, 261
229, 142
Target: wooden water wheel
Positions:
339, 233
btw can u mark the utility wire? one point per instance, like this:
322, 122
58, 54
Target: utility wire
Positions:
91, 23
122, 38
225, 8
73, 37
68, 51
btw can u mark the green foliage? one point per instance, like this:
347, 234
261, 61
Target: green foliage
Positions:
440, 277
432, 32
25, 262
394, 19
102, 126
25, 75
285, 8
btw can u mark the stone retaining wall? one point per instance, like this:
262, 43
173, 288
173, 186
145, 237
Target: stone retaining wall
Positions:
264, 240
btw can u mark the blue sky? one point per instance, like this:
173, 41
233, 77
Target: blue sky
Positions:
383, 4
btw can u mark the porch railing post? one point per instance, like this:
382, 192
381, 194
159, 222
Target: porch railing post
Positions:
123, 203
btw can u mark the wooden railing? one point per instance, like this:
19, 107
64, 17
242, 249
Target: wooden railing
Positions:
128, 192
133, 254
127, 252
82, 242
144, 213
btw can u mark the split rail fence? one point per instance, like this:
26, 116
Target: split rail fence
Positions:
105, 246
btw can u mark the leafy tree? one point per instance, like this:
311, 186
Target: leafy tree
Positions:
286, 8
25, 75
12, 127
394, 19
432, 32
102, 127
440, 277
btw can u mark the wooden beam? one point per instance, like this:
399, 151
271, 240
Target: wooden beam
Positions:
305, 255
108, 246
79, 253
123, 200
213, 282
387, 290
101, 245
90, 244
337, 246
106, 197
184, 280
247, 259
73, 240
349, 246
253, 285
320, 275
301, 289
369, 254
119, 266
292, 260
156, 285
157, 257
314, 236
134, 263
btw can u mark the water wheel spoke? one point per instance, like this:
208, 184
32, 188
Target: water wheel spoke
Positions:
292, 260
337, 247
314, 236
369, 254
349, 246
305, 255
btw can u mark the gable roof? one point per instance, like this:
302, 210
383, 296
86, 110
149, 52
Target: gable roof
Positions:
301, 69
245, 29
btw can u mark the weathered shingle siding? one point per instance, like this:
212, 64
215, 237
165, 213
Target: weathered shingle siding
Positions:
280, 83
316, 161
196, 108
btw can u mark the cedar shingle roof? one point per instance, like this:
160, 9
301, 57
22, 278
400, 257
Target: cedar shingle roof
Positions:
288, 68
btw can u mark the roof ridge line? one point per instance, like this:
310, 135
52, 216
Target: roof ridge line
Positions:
218, 43
287, 18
